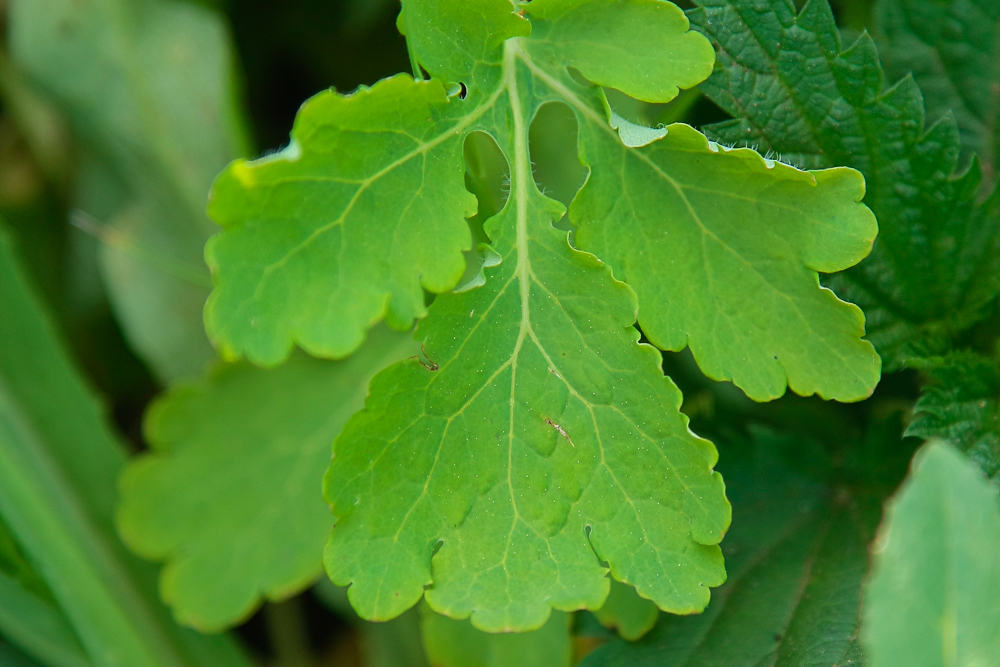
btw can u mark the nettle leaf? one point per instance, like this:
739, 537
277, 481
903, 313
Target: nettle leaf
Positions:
796, 558
535, 445
229, 495
931, 600
934, 267
452, 643
953, 51
961, 404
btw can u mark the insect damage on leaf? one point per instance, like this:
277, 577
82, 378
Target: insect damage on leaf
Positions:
545, 446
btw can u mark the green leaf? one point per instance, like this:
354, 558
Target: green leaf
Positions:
395, 643
306, 272
498, 470
722, 248
37, 626
147, 88
932, 598
29, 615
452, 643
961, 404
238, 459
626, 612
934, 266
953, 51
58, 465
796, 557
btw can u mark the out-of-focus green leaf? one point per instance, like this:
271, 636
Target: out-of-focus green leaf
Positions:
146, 86
796, 556
11, 657
37, 626
452, 643
29, 616
395, 643
58, 464
795, 94
626, 612
231, 493
961, 404
932, 597
952, 48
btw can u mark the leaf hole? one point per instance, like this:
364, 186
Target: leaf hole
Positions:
552, 143
487, 176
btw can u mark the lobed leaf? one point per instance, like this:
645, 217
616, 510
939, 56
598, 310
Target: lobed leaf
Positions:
498, 471
931, 599
933, 268
796, 558
229, 494
508, 448
723, 250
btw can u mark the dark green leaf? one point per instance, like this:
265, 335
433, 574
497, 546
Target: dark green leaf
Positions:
961, 404
953, 51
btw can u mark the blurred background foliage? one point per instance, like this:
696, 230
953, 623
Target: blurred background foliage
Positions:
102, 183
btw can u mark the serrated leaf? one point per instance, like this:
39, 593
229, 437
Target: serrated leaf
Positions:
933, 267
229, 495
451, 643
953, 51
961, 404
932, 598
147, 88
796, 557
626, 612
498, 471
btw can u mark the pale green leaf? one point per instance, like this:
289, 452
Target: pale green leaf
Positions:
58, 464
230, 495
723, 249
797, 95
499, 471
932, 597
626, 612
557, 447
147, 87
344, 227
796, 558
451, 643
296, 263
